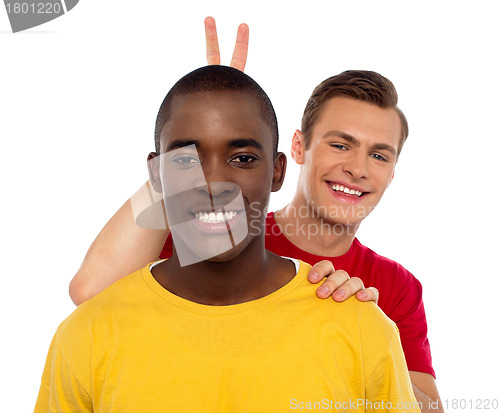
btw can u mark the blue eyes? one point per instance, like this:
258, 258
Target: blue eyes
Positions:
379, 157
376, 156
339, 146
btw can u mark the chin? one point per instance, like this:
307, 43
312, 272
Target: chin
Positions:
224, 257
343, 221
229, 254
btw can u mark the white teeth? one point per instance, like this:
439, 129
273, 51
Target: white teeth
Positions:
212, 218
345, 190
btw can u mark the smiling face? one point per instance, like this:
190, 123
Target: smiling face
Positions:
350, 160
217, 172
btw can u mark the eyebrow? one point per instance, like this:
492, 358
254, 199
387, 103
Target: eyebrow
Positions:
241, 143
235, 143
356, 142
179, 143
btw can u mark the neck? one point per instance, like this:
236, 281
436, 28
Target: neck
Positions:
253, 274
307, 228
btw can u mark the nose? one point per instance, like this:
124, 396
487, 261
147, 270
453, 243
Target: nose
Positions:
356, 165
218, 179
220, 189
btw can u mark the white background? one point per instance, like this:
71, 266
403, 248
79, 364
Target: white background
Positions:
78, 101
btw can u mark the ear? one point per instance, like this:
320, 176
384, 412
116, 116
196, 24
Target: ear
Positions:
279, 171
154, 171
298, 147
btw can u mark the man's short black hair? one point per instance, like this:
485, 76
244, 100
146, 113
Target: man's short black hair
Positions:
215, 78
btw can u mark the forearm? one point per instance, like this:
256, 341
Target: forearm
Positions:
121, 248
426, 393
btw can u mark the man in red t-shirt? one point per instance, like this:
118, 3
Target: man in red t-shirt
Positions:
351, 135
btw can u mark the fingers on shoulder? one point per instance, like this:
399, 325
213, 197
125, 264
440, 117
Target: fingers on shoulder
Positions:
368, 294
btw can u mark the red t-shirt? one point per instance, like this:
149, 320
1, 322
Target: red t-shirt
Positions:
400, 292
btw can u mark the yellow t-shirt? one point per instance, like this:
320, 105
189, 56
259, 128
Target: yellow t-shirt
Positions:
136, 347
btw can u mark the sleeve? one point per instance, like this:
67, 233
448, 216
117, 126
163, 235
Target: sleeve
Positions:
388, 386
60, 390
409, 316
167, 250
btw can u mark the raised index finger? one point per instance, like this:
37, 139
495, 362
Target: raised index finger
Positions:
240, 53
213, 53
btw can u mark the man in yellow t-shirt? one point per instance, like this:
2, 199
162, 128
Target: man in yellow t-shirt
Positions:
240, 341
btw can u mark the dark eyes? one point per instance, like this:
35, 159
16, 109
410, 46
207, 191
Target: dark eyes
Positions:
244, 159
189, 161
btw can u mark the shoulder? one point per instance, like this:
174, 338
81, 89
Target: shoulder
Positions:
368, 254
368, 317
383, 267
377, 335
125, 289
99, 309
363, 317
356, 321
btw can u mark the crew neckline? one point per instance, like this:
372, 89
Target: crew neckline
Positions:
164, 294
294, 260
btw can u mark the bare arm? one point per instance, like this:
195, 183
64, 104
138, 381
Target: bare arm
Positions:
120, 248
426, 392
